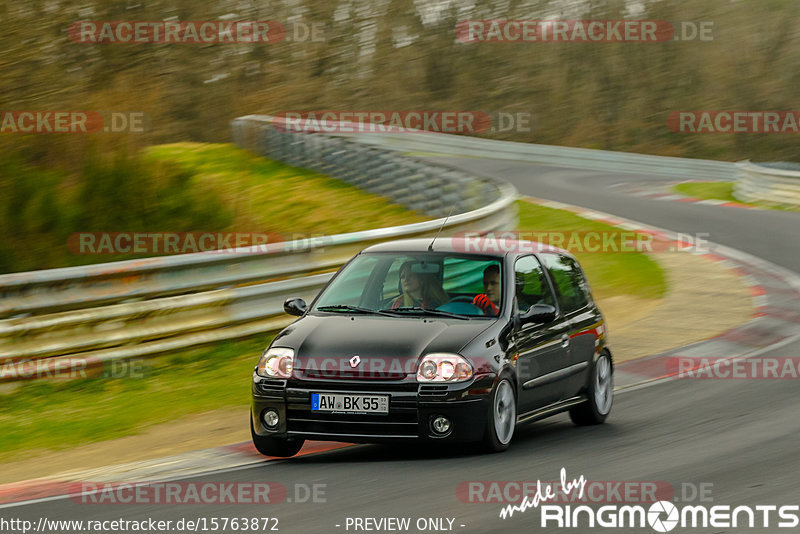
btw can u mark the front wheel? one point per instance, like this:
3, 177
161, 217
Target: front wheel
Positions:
502, 417
281, 447
600, 394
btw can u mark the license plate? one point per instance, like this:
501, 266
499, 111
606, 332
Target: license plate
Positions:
346, 403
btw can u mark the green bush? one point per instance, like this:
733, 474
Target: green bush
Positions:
40, 207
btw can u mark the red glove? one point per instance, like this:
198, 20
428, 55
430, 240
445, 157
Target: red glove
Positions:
483, 302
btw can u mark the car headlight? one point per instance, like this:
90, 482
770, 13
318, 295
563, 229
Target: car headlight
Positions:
443, 367
276, 362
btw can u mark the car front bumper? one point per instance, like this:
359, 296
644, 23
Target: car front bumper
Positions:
412, 409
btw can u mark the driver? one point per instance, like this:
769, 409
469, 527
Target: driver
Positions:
418, 289
491, 287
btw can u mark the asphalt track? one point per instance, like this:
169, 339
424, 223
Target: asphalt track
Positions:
769, 234
741, 436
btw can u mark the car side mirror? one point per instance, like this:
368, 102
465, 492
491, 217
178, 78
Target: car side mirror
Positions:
294, 306
539, 313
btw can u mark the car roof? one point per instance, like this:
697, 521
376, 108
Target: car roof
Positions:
490, 245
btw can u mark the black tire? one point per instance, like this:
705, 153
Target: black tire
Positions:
502, 414
600, 393
280, 447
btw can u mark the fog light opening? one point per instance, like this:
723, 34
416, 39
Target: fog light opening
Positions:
271, 419
441, 425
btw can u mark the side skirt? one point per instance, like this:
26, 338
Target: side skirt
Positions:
553, 409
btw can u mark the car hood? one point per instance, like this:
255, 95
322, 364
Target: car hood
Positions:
387, 347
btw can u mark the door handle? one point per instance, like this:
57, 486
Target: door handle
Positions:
564, 341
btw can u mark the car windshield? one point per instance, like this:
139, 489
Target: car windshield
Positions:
436, 284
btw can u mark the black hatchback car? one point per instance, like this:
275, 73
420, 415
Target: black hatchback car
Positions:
456, 340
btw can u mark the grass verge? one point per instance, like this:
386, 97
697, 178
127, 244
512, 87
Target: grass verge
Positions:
609, 273
269, 196
58, 415
182, 187
721, 191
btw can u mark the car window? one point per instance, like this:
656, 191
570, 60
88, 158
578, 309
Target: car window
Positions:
531, 285
350, 290
452, 283
464, 276
568, 278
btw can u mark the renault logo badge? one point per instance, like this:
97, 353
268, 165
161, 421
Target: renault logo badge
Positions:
354, 361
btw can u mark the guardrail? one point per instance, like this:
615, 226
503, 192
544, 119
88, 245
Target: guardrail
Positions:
77, 317
774, 183
585, 158
405, 180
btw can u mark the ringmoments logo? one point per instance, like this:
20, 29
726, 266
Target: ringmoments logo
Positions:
660, 516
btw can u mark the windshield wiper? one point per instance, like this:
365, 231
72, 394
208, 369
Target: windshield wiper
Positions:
426, 311
352, 309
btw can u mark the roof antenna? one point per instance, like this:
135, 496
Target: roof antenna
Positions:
430, 247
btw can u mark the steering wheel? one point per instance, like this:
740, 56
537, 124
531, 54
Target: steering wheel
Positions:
462, 298
462, 305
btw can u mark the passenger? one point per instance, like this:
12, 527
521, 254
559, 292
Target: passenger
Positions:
419, 289
491, 287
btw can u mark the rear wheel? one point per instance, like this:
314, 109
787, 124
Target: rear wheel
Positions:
281, 447
502, 417
601, 394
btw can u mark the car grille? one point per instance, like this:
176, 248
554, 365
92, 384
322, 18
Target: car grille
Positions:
432, 390
401, 421
271, 386
344, 374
